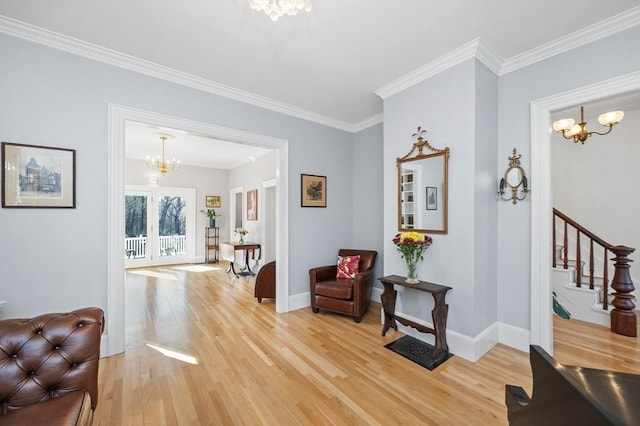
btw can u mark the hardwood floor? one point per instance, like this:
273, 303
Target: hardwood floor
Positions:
254, 367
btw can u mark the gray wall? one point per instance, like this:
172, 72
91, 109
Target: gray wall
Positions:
368, 199
55, 260
444, 102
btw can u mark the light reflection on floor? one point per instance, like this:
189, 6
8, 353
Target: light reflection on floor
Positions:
198, 268
154, 274
172, 353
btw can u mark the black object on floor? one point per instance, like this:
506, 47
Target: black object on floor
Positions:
417, 351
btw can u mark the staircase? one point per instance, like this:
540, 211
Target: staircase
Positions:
584, 287
583, 303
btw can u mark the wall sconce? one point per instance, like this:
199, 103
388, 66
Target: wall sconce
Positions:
578, 132
514, 178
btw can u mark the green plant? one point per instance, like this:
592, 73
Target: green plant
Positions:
210, 213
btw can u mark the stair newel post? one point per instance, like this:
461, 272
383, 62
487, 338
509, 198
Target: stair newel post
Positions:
623, 317
605, 281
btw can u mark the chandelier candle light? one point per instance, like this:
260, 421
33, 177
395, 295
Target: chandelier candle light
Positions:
578, 132
277, 8
411, 245
160, 163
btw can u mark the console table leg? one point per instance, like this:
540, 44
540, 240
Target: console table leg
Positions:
388, 299
439, 316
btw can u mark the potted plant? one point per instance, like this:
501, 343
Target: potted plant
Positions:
211, 214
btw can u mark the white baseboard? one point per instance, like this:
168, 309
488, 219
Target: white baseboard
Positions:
299, 301
515, 337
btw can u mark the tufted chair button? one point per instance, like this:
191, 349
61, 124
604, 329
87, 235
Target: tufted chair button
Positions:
81, 324
14, 356
39, 332
56, 348
32, 372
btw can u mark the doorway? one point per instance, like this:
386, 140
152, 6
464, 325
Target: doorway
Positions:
159, 226
541, 199
118, 117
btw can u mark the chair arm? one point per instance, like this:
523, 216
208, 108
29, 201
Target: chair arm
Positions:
323, 273
363, 277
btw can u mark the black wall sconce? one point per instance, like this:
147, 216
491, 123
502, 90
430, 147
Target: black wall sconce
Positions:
513, 179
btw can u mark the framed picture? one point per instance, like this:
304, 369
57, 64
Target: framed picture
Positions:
212, 201
313, 191
252, 204
38, 176
432, 198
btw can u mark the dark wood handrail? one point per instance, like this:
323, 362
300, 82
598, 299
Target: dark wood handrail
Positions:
582, 229
623, 318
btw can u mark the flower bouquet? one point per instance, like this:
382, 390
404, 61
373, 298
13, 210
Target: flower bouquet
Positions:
411, 245
242, 232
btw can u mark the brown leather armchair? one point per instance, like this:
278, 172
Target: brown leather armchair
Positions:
266, 282
344, 296
49, 368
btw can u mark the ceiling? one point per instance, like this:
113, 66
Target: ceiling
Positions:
327, 63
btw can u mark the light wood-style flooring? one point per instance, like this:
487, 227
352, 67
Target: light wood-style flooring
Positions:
253, 367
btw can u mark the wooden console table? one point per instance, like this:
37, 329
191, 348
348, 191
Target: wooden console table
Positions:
228, 251
438, 314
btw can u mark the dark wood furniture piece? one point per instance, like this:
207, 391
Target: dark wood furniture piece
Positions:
229, 249
266, 282
344, 296
568, 395
211, 244
438, 314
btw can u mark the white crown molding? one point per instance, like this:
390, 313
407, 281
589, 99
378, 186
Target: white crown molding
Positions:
88, 50
444, 62
366, 123
607, 27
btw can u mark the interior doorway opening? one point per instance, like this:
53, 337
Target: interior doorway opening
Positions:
118, 118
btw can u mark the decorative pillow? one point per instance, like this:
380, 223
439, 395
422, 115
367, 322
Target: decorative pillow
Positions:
348, 266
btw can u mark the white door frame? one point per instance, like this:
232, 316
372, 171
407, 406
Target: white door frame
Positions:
117, 117
541, 196
270, 183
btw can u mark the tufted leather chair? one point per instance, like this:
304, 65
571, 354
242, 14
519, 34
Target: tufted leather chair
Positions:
266, 282
345, 296
49, 368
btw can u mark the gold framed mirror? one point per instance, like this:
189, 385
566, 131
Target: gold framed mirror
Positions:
423, 188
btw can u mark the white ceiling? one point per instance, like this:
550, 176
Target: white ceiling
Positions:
328, 62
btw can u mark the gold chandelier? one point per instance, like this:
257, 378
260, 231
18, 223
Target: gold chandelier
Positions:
160, 163
578, 132
277, 8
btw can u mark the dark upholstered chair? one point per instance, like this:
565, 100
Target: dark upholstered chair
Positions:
344, 296
266, 282
49, 368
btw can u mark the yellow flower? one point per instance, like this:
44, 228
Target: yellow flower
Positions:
409, 237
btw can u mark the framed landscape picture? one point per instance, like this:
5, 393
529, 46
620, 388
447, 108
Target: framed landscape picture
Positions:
212, 201
38, 176
313, 192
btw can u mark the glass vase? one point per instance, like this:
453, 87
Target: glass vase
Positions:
412, 273
241, 238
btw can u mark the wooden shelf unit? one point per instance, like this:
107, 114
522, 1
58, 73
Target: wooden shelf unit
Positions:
211, 244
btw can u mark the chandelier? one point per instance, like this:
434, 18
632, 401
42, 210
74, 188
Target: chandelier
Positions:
578, 132
278, 8
160, 163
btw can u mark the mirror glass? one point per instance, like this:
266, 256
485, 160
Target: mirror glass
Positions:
514, 177
423, 193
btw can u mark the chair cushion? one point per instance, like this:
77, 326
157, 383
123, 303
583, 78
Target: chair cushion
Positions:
348, 266
338, 289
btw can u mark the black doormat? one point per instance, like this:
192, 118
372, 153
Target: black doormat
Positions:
417, 351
